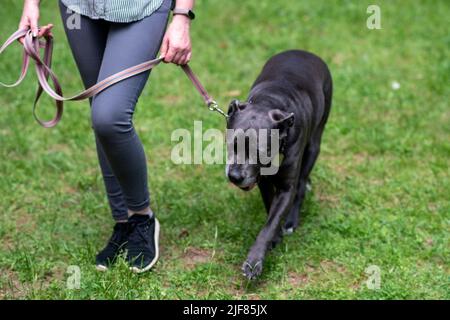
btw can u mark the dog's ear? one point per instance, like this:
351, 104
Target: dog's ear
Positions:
236, 105
282, 119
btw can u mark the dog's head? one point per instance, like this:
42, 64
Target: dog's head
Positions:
255, 134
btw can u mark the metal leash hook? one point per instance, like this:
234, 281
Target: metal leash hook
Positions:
214, 106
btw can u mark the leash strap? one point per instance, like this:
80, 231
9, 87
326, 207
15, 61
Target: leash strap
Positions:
210, 102
32, 46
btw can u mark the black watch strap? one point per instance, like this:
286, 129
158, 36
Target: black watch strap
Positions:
185, 12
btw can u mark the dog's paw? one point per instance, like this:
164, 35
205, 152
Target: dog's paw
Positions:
252, 270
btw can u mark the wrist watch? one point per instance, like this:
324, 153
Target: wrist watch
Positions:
185, 12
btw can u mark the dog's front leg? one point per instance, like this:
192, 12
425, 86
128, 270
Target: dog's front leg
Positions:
281, 204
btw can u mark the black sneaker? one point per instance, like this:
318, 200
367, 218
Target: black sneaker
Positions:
143, 251
115, 246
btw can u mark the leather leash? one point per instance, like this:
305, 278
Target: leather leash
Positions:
32, 50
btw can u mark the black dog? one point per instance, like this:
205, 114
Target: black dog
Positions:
292, 94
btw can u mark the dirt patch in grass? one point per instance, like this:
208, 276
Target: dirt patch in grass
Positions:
239, 287
297, 279
332, 266
428, 242
315, 272
7, 243
193, 256
25, 222
11, 286
172, 99
68, 189
355, 286
338, 59
332, 200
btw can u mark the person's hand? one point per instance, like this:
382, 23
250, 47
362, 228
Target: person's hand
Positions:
30, 20
176, 45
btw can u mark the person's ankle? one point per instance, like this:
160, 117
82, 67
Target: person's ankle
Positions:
144, 212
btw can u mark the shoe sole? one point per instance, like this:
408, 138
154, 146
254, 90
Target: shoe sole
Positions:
100, 267
155, 259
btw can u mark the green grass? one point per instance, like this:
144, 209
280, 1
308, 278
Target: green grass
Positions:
380, 187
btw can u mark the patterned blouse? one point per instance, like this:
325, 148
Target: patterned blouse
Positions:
114, 10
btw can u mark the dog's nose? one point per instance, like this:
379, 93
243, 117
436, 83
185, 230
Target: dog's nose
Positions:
235, 177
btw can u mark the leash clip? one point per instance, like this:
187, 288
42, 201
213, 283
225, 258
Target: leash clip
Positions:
214, 106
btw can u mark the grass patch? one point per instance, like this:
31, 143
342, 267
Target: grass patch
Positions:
380, 186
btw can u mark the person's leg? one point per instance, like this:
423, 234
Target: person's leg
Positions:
112, 112
88, 46
113, 190
112, 109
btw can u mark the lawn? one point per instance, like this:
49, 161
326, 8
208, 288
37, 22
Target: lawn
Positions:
381, 186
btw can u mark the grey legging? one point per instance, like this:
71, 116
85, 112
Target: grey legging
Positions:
100, 49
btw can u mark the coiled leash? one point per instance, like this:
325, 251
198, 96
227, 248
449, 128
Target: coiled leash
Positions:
32, 50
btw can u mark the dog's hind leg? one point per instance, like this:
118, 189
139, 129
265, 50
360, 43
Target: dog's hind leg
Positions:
292, 218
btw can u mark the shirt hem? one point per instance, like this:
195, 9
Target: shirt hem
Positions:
128, 20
